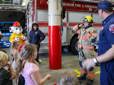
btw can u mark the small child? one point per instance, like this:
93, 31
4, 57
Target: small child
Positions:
16, 60
6, 71
30, 68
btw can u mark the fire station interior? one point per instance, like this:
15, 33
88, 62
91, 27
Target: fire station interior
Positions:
63, 66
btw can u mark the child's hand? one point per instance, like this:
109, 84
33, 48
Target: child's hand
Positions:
48, 76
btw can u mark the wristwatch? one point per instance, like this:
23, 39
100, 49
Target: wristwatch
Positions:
96, 61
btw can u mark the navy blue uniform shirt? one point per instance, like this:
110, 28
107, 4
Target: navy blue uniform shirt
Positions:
106, 40
36, 36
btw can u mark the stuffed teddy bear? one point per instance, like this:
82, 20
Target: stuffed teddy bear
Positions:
17, 35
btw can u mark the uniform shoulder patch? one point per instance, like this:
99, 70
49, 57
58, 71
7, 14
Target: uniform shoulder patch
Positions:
111, 28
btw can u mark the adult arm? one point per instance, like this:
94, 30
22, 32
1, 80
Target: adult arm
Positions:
109, 55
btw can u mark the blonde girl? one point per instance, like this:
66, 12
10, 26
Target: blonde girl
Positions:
31, 70
6, 72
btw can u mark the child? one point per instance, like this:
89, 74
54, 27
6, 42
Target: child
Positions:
36, 36
16, 60
31, 70
6, 72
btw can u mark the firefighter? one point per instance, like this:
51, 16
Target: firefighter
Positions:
87, 36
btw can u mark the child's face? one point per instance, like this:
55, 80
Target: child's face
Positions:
5, 62
35, 27
34, 56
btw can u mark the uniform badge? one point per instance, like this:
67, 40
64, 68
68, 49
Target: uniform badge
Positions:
111, 28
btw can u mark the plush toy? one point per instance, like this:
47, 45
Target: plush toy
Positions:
17, 35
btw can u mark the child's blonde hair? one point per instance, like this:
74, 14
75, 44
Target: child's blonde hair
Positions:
28, 51
3, 59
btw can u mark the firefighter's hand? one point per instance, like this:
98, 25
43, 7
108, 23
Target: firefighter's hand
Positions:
75, 28
78, 26
88, 64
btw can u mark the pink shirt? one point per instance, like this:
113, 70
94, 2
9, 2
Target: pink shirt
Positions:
26, 72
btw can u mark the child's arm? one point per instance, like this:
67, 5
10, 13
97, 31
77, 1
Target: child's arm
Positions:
36, 76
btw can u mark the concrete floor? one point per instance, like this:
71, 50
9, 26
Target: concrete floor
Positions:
69, 63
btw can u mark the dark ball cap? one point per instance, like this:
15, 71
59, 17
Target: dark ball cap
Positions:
104, 5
